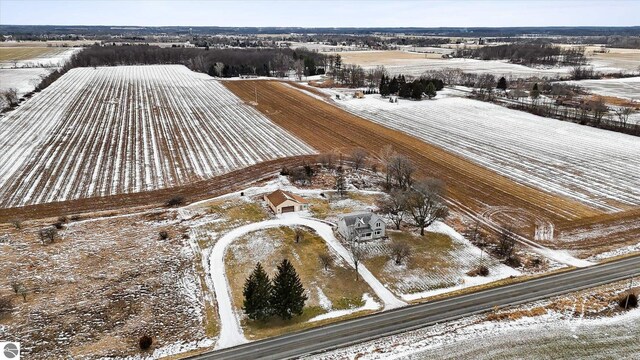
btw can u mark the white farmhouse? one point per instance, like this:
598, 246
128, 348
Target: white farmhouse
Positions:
361, 226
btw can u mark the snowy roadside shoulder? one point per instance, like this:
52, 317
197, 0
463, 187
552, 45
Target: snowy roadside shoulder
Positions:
369, 304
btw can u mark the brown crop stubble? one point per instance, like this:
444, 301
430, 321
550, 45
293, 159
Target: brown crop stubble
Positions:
470, 187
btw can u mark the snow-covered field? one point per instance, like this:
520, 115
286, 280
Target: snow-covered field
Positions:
111, 130
23, 80
627, 88
551, 336
417, 67
594, 166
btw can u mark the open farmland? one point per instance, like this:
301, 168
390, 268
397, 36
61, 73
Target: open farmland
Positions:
470, 186
626, 88
596, 167
415, 64
18, 57
106, 131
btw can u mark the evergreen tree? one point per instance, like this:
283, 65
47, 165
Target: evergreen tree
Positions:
502, 84
288, 295
534, 93
405, 91
430, 91
257, 294
418, 89
394, 86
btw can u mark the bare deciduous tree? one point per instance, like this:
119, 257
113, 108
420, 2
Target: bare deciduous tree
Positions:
358, 156
356, 253
402, 170
341, 184
385, 155
400, 251
394, 207
623, 114
325, 260
327, 159
298, 67
425, 205
506, 243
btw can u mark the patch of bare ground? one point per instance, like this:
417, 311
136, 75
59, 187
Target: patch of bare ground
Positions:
100, 286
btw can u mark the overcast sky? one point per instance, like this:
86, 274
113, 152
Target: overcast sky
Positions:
327, 13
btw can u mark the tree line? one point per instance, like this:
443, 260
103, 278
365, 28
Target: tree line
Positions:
215, 62
398, 85
527, 54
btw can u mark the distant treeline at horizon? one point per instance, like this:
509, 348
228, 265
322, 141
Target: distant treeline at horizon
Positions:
86, 30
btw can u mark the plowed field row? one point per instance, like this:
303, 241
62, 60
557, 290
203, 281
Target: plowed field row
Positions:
113, 130
469, 185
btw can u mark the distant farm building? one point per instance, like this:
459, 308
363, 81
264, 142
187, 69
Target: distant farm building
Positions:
283, 202
361, 226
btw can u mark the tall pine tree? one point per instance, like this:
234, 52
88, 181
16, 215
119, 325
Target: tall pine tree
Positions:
288, 295
430, 91
502, 84
257, 294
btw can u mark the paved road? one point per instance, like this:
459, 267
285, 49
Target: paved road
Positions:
416, 316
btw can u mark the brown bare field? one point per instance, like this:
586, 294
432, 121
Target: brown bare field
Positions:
24, 53
593, 235
100, 286
470, 187
200, 190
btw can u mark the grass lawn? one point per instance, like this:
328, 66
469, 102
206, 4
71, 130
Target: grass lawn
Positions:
270, 246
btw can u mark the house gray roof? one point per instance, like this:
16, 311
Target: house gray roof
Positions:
366, 217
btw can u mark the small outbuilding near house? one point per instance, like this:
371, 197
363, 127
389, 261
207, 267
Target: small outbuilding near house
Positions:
283, 202
361, 226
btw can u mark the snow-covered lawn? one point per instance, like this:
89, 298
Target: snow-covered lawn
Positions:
112, 130
626, 88
438, 263
594, 166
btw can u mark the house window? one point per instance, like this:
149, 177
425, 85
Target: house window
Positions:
378, 232
377, 225
367, 235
